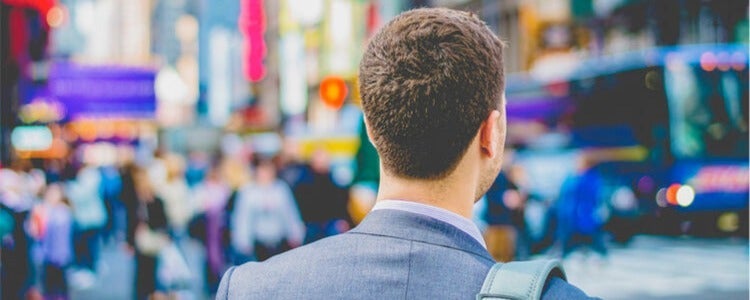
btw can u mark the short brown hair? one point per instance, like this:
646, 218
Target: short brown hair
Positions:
428, 79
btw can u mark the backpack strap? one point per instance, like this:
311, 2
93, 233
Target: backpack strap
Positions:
519, 280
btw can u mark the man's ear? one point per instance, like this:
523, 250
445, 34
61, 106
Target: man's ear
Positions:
489, 135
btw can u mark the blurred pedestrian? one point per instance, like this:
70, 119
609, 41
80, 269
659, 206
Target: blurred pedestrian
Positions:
266, 220
292, 169
322, 203
55, 232
432, 89
581, 210
110, 187
53, 169
17, 195
504, 218
175, 193
197, 167
90, 217
129, 197
147, 233
212, 195
236, 174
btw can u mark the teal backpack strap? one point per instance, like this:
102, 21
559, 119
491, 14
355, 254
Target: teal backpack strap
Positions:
519, 280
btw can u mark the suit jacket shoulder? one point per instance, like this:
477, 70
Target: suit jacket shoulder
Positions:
391, 255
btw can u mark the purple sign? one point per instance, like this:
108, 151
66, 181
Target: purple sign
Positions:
537, 108
103, 91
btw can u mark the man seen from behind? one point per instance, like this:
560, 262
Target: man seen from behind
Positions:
432, 87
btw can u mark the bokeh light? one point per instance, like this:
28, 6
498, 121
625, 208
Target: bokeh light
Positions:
685, 195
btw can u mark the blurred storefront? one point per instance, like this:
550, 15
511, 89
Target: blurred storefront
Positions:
255, 66
81, 72
24, 33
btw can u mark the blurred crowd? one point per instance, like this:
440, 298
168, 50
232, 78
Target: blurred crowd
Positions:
56, 216
241, 204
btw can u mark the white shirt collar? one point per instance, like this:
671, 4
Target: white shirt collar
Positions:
441, 214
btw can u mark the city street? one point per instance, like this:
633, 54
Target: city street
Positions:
116, 274
254, 126
666, 268
649, 268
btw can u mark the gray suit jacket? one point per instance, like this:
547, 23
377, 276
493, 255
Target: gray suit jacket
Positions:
391, 255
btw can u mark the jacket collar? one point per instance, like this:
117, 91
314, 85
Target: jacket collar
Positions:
420, 228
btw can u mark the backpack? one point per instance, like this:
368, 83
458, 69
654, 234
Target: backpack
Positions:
519, 280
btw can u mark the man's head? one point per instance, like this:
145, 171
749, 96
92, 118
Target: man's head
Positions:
432, 82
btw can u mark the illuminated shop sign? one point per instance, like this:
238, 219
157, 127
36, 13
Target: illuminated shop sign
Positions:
97, 91
252, 25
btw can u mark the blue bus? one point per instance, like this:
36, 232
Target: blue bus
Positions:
667, 128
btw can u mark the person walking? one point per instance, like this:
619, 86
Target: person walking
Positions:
174, 191
147, 230
432, 88
18, 190
504, 217
266, 220
55, 232
321, 202
581, 211
212, 195
90, 217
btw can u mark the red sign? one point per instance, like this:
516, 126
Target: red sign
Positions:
333, 91
43, 6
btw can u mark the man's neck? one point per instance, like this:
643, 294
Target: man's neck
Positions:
452, 193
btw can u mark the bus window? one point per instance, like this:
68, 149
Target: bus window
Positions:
619, 110
708, 111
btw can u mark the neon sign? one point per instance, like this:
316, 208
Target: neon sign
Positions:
721, 179
252, 25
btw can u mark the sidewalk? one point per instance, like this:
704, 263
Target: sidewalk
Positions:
115, 275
